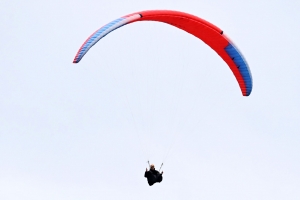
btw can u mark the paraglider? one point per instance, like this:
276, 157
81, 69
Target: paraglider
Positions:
153, 176
205, 31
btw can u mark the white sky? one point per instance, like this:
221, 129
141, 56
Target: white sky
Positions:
85, 131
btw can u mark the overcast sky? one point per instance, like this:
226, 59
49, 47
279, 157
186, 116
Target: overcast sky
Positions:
147, 91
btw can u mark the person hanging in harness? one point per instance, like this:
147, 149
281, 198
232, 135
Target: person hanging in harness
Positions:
153, 176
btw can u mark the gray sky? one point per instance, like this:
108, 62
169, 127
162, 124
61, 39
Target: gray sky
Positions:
85, 131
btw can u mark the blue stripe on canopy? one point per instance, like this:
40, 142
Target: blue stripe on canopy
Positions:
242, 66
95, 37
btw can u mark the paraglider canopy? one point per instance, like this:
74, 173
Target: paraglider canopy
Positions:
207, 32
